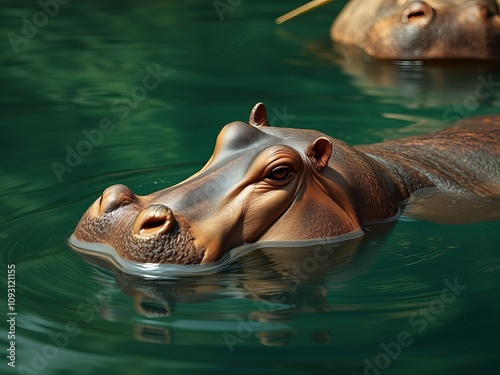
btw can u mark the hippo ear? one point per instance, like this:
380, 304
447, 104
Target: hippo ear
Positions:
258, 116
319, 152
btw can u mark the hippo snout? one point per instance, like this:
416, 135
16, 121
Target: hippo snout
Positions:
154, 220
138, 228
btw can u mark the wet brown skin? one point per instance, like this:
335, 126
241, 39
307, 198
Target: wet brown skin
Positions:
264, 183
420, 30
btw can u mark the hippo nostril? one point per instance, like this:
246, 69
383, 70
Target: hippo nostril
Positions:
153, 220
114, 197
417, 13
153, 223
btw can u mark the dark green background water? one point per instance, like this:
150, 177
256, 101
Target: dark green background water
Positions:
88, 62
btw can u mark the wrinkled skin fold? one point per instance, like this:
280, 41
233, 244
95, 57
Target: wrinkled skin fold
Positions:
279, 184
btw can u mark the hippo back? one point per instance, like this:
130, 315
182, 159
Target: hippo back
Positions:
464, 158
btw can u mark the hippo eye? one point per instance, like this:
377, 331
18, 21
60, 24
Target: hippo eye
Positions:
280, 173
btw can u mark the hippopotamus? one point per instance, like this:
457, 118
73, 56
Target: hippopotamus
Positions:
265, 183
420, 30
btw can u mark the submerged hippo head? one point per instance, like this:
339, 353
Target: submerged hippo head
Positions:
414, 29
261, 183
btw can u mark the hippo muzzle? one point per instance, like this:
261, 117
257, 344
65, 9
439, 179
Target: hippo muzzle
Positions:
138, 231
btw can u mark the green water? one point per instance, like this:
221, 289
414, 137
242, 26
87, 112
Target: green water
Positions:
162, 79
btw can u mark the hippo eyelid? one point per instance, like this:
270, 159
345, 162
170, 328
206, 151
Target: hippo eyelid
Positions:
283, 161
273, 174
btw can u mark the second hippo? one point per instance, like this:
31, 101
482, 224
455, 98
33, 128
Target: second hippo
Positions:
420, 30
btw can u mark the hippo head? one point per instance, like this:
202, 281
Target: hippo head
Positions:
415, 29
261, 183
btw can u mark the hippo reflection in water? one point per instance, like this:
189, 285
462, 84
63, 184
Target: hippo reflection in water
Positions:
279, 184
416, 30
